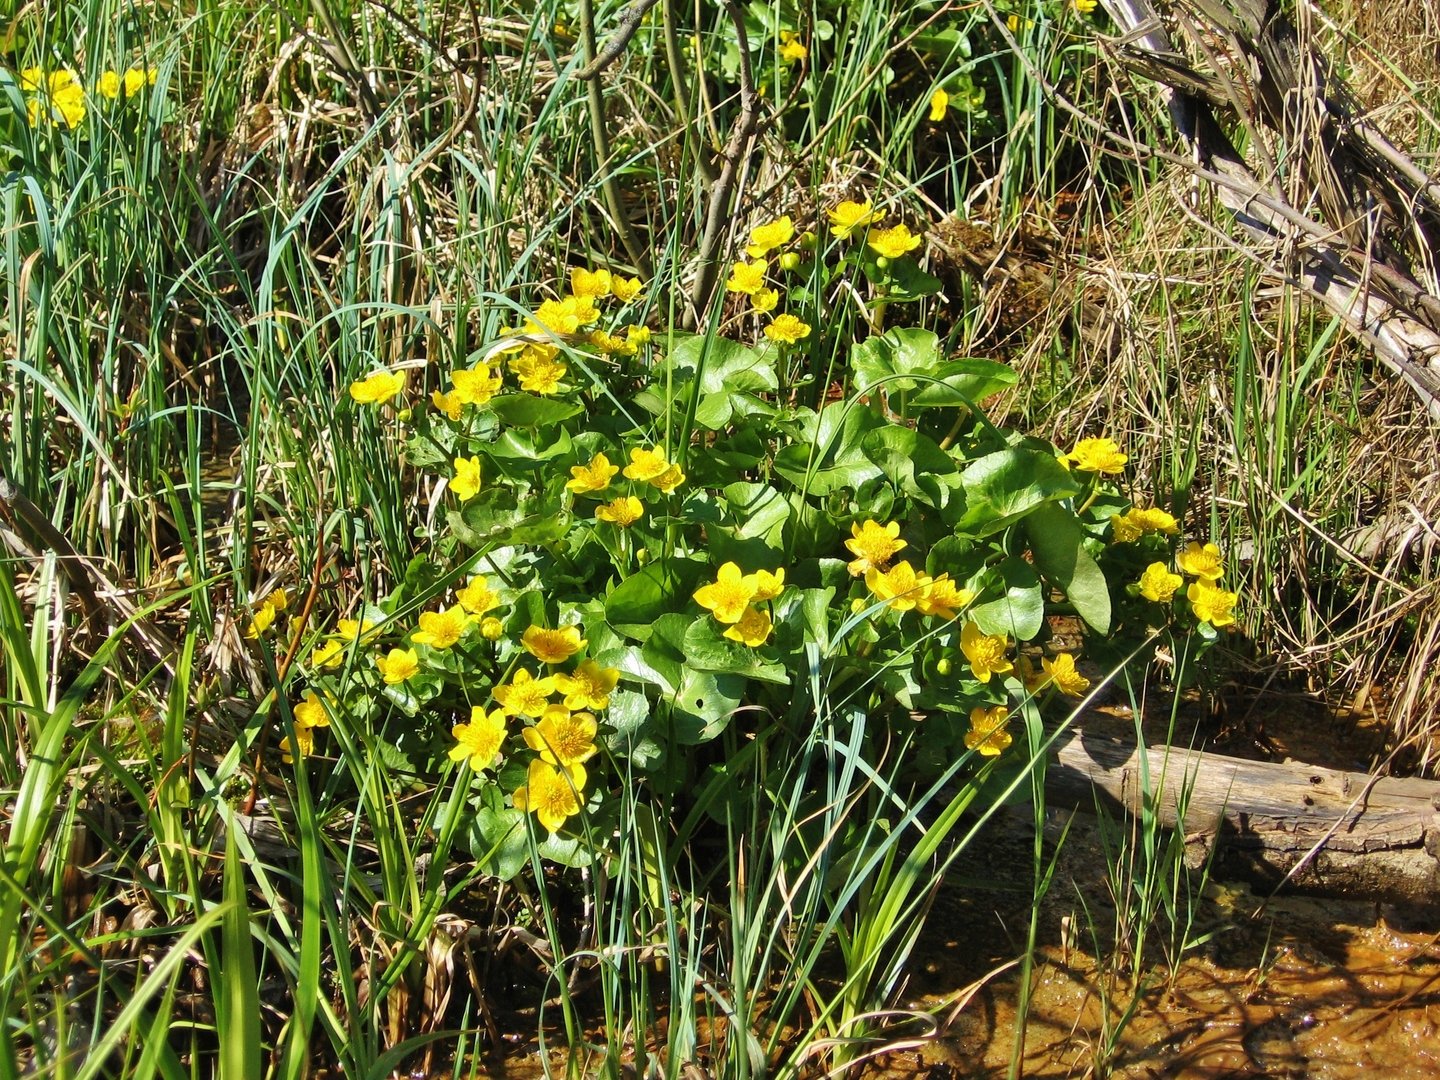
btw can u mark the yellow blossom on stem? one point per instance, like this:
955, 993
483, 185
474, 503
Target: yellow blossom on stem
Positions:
987, 733
625, 289
449, 404
476, 386
646, 463
752, 629
442, 629
764, 301
942, 598
1061, 672
773, 234
377, 387
109, 85
900, 586
491, 628
1201, 561
398, 665
562, 737
636, 338
748, 278
1085, 7
729, 595
587, 687
552, 646
622, 512
985, 652
477, 597
466, 481
1135, 523
768, 584
873, 546
1211, 603
1158, 584
552, 792
1099, 455
592, 283
849, 216
786, 329
792, 49
539, 370
480, 740
329, 654
304, 744
310, 711
135, 78
893, 242
939, 105
594, 476
668, 480
265, 612
524, 695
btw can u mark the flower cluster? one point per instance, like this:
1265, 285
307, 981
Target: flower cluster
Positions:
901, 587
57, 98
308, 713
732, 598
263, 612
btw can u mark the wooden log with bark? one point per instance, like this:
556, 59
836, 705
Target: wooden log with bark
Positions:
1304, 826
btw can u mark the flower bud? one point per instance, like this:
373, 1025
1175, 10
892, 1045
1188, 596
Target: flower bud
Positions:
807, 240
943, 666
790, 261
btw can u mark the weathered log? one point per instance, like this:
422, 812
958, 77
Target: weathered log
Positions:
1314, 829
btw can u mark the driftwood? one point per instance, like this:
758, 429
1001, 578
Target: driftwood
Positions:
1317, 829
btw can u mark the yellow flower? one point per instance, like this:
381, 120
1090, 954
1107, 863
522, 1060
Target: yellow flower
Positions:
398, 665
771, 235
625, 289
792, 49
668, 480
562, 737
752, 629
622, 512
595, 476
894, 242
636, 338
764, 301
552, 646
109, 85
942, 598
378, 386
1097, 455
1135, 523
551, 792
987, 732
1085, 7
900, 586
1157, 583
606, 342
477, 597
449, 404
354, 629
1211, 604
850, 216
310, 712
480, 740
594, 284
729, 595
329, 654
787, 329
466, 482
1201, 561
985, 653
476, 386
524, 695
646, 464
746, 277
768, 584
56, 98
939, 105
1062, 673
538, 370
304, 743
587, 687
135, 78
491, 628
441, 629
265, 612
873, 546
